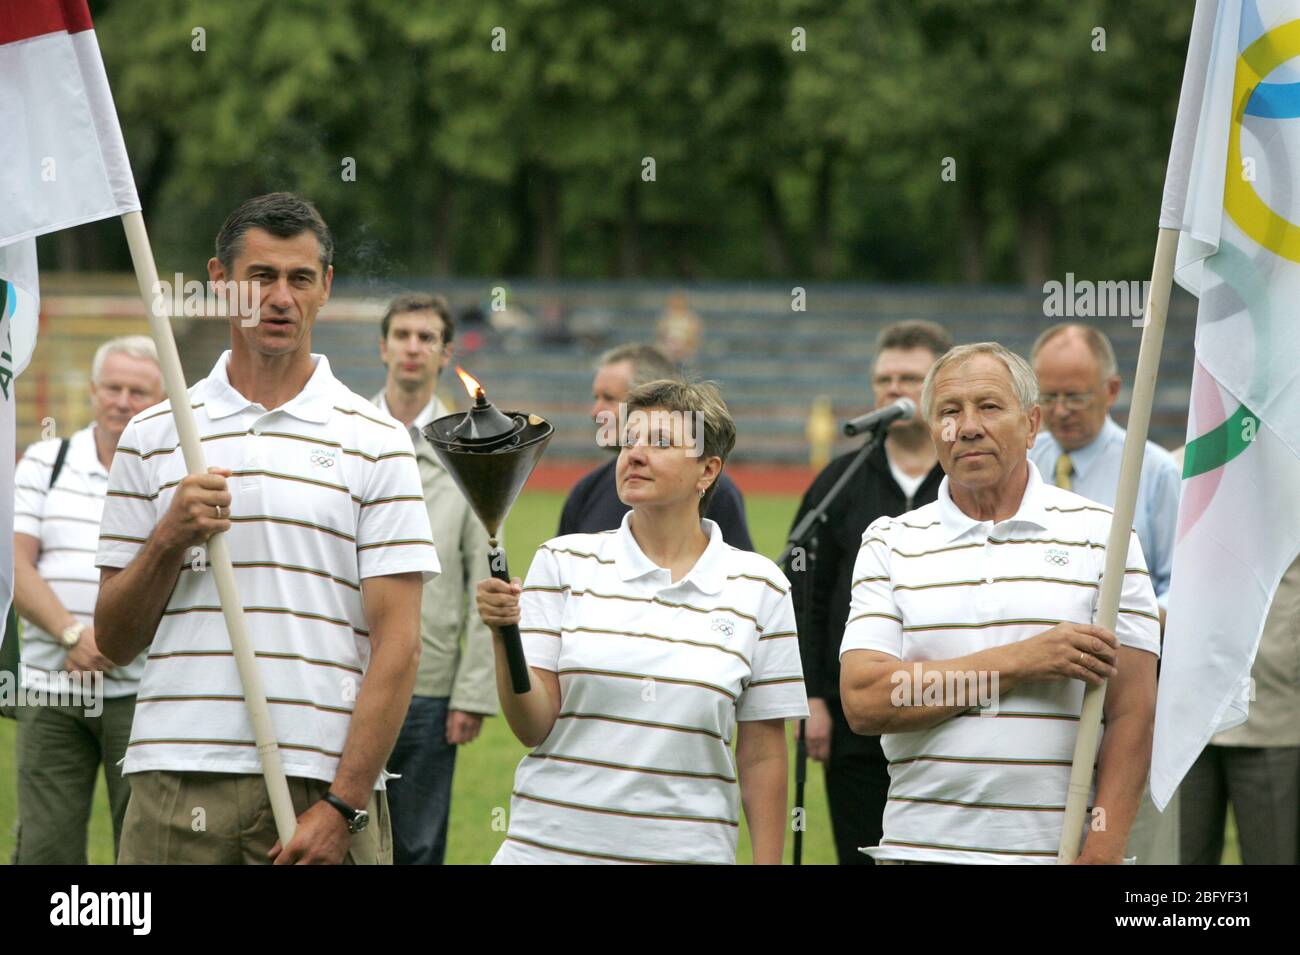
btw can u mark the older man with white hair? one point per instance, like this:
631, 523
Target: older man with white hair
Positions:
60, 486
972, 634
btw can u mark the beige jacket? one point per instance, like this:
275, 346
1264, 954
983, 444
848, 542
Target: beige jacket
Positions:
456, 658
1274, 718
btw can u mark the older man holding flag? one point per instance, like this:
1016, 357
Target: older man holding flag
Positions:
991, 589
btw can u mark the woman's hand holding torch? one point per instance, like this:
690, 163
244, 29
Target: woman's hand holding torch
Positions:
531, 715
498, 602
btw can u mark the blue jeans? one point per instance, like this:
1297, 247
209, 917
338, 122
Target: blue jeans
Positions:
420, 801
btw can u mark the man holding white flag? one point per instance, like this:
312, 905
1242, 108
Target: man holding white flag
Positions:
67, 165
319, 493
1231, 193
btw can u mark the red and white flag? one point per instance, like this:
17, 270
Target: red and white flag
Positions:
64, 160
63, 164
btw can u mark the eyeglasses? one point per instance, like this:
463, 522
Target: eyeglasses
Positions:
1073, 401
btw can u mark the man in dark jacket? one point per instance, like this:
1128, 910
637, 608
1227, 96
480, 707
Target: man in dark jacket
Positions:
901, 474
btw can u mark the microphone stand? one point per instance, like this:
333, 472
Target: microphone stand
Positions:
803, 539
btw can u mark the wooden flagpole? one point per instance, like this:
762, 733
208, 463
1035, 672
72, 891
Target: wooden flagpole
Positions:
1112, 582
146, 275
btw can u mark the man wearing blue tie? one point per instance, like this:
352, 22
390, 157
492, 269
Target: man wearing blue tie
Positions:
1078, 383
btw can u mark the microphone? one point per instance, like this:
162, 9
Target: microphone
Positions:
901, 409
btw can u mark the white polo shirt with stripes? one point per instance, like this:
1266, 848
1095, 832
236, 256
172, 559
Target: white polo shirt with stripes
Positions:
653, 678
65, 519
988, 785
325, 493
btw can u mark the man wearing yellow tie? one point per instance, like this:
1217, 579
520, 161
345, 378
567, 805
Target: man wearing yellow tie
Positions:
1078, 383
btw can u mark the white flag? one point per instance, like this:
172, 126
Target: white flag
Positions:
18, 320
1233, 190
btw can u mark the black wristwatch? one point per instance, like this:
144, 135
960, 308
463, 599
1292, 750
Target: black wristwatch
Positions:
357, 819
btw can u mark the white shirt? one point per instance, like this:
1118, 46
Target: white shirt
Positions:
653, 677
906, 483
936, 584
325, 492
65, 519
415, 429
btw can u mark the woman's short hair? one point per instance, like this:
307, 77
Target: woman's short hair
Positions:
1023, 381
703, 403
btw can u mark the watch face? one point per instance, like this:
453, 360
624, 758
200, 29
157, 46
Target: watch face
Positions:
360, 821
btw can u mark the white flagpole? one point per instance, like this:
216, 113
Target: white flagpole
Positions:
146, 274
1112, 582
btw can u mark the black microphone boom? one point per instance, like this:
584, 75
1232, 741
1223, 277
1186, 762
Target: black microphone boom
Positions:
882, 417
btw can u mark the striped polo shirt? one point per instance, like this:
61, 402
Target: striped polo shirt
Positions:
65, 519
325, 492
936, 584
653, 677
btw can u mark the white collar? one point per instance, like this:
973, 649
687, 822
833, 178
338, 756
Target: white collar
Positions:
1032, 509
313, 403
708, 575
430, 412
84, 452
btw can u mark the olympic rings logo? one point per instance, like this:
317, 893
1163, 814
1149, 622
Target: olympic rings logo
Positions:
1240, 200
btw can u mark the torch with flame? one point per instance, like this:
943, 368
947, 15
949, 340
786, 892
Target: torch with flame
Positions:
471, 384
490, 455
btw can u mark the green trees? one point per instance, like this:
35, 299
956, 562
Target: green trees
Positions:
734, 139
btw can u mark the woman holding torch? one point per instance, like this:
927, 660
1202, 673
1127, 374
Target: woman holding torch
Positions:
650, 648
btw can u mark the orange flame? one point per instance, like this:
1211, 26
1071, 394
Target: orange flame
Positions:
470, 382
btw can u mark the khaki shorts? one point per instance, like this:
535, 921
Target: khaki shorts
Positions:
226, 819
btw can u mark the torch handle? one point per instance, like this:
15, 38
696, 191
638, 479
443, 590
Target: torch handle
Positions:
510, 639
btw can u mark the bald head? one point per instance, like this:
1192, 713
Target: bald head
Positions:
1077, 383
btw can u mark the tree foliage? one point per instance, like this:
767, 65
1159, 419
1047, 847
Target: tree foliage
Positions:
788, 138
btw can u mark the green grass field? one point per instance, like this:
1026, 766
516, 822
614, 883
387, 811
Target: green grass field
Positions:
485, 768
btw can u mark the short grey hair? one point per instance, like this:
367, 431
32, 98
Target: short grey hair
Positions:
282, 214
135, 346
1094, 338
648, 363
1023, 381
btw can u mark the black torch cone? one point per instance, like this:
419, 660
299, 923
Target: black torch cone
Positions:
490, 455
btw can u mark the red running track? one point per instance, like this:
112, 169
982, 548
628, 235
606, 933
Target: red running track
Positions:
752, 479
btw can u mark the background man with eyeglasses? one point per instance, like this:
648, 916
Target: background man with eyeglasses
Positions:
1078, 383
902, 473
